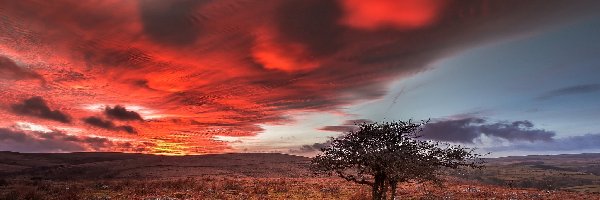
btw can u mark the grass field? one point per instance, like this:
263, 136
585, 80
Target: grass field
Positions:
261, 188
104, 176
577, 172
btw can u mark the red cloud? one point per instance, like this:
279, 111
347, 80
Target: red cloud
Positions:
273, 53
403, 14
197, 70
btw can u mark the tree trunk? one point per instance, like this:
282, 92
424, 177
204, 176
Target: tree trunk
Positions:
393, 185
376, 194
379, 187
383, 190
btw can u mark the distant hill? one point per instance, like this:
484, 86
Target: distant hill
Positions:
578, 172
61, 166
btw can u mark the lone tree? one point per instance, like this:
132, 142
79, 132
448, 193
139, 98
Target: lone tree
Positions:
384, 154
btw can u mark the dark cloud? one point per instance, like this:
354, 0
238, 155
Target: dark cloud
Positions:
314, 23
98, 122
316, 146
127, 128
107, 124
37, 107
467, 129
311, 148
96, 54
171, 22
573, 90
121, 113
572, 143
8, 134
10, 70
461, 130
370, 59
142, 83
31, 141
348, 125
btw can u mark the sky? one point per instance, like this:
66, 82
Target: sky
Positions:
511, 77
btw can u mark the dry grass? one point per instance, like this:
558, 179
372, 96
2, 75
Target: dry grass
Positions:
272, 176
260, 188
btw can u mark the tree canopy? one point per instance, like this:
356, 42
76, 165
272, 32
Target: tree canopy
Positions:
384, 154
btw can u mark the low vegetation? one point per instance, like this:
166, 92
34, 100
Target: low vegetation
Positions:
575, 172
260, 188
276, 176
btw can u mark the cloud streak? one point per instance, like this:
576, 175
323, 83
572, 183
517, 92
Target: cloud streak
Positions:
348, 125
312, 148
10, 70
56, 141
468, 129
107, 124
572, 90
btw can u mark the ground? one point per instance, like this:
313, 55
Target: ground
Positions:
267, 176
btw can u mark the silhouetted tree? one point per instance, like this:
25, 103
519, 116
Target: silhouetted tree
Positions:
384, 154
